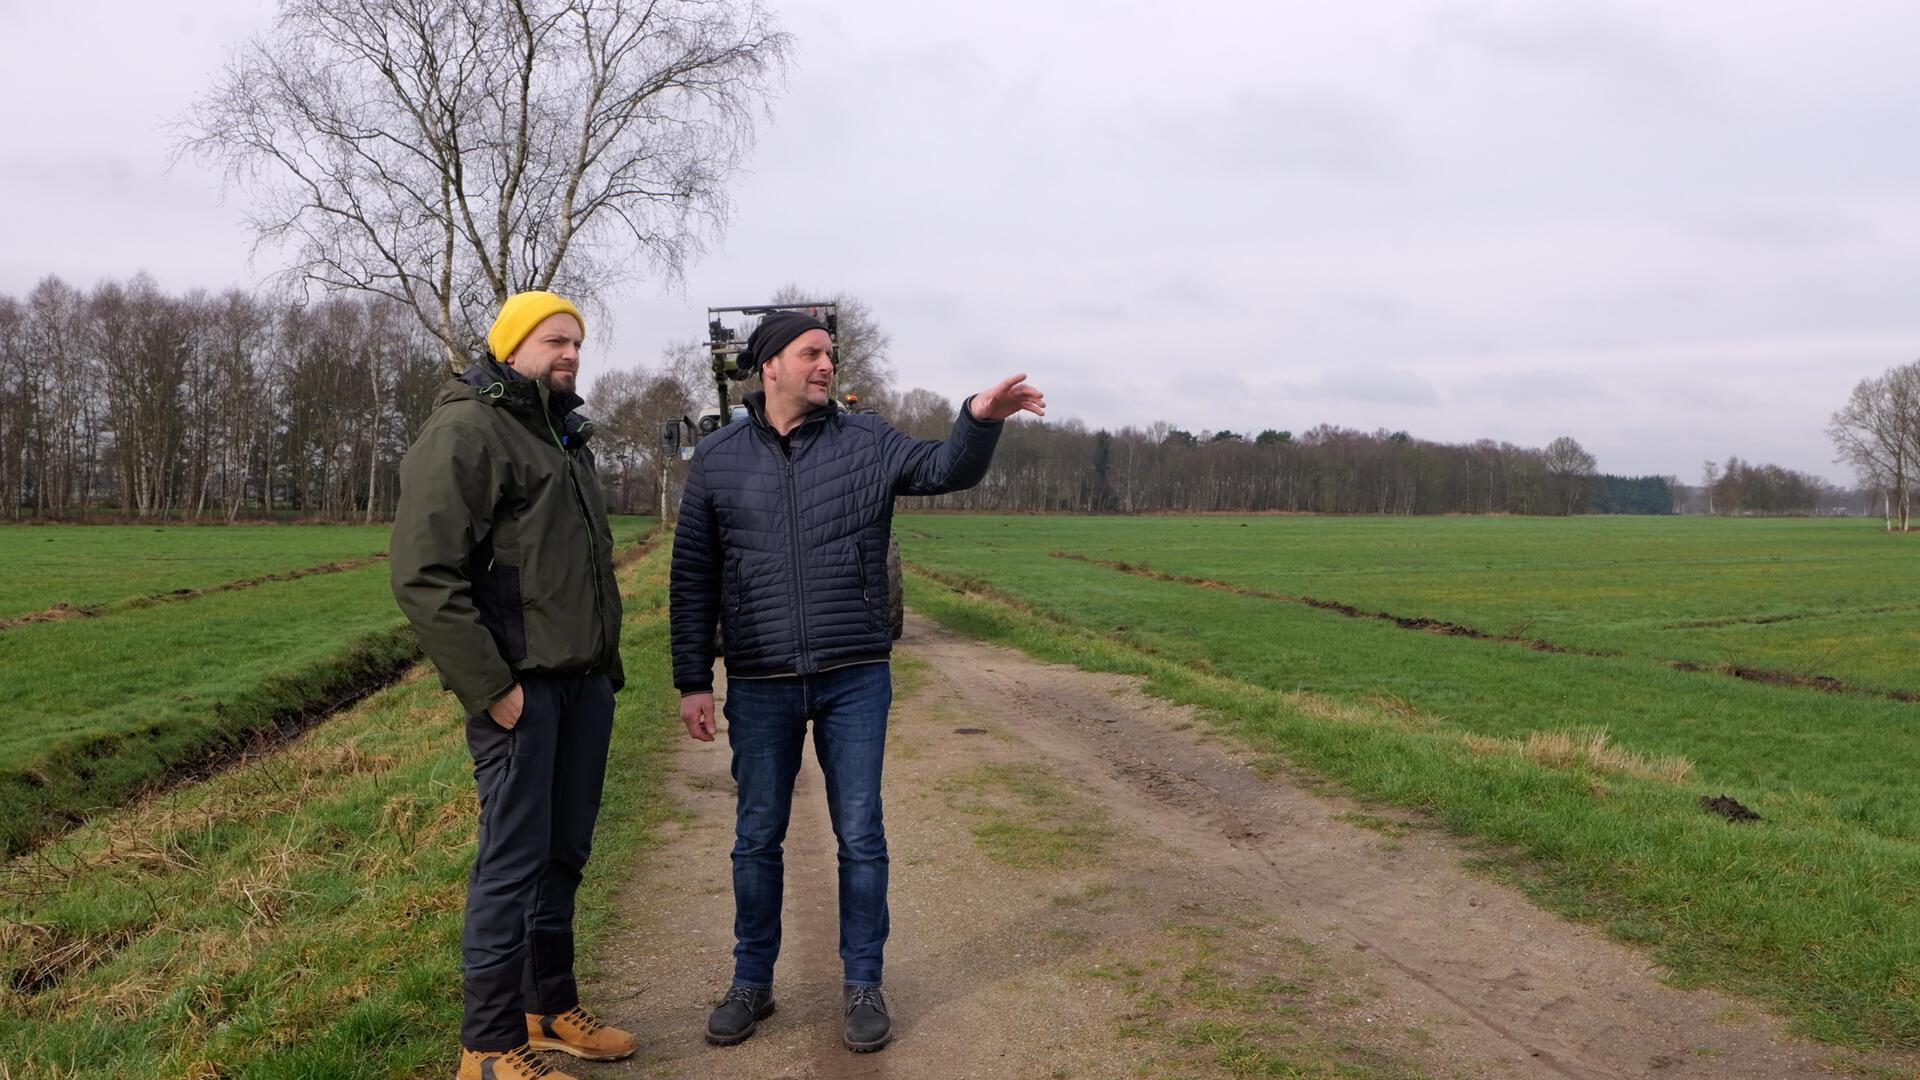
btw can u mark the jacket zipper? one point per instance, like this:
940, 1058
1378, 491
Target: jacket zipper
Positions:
593, 550
804, 662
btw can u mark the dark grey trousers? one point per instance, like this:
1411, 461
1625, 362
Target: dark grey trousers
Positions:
539, 794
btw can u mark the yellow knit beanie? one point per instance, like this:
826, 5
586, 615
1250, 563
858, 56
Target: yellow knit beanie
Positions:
520, 314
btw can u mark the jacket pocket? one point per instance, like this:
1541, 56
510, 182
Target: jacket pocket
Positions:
729, 603
513, 615
487, 741
873, 585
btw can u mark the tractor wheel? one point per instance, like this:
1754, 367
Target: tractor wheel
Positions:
896, 596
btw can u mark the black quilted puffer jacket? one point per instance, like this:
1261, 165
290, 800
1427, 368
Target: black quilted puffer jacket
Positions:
788, 551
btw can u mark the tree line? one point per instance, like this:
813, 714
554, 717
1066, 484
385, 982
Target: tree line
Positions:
127, 401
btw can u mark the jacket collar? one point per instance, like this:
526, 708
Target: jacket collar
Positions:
756, 403
546, 413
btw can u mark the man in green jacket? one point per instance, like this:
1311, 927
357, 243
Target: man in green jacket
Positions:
502, 560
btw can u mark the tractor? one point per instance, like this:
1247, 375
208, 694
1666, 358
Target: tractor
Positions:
728, 329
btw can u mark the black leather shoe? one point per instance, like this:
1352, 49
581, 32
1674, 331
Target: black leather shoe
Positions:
739, 1013
868, 1027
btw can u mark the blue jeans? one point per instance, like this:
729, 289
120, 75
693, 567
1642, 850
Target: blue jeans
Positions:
766, 723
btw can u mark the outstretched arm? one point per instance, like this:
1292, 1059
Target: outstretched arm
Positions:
931, 467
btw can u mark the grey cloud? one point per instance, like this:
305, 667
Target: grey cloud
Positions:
1782, 229
1323, 134
1536, 388
1373, 307
1095, 311
1584, 40
1377, 386
1461, 224
1191, 290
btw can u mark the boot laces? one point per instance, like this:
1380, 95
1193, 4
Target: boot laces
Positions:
741, 994
522, 1056
582, 1019
863, 995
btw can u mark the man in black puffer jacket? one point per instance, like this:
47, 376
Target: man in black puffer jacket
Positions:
782, 541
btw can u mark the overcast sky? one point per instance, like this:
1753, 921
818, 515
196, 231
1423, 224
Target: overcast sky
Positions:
1673, 231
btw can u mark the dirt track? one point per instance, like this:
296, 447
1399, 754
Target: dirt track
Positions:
1196, 918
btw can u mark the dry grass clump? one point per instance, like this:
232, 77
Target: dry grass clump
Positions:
51, 953
1589, 749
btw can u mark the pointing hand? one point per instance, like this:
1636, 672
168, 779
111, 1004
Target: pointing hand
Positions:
1010, 395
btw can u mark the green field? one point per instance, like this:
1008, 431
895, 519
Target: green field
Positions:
84, 565
291, 917
1800, 595
179, 660
1814, 908
297, 916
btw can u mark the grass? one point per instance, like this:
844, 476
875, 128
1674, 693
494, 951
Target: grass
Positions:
82, 565
1219, 1000
1817, 596
1846, 755
101, 707
1579, 774
86, 565
105, 706
1026, 819
298, 915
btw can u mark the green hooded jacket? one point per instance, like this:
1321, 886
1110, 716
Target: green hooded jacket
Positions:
502, 557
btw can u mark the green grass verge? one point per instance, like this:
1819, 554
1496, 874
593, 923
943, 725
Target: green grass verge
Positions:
99, 707
102, 707
299, 915
1806, 910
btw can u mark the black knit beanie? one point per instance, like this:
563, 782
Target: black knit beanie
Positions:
774, 333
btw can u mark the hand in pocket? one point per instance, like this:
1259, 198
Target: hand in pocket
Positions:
506, 711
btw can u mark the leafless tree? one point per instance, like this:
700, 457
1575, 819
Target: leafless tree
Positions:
862, 362
1877, 432
629, 407
448, 153
16, 405
1571, 468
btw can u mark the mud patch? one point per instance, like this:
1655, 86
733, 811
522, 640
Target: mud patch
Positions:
1787, 616
1799, 680
56, 613
1729, 807
638, 551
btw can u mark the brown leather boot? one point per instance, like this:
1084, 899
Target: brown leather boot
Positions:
515, 1064
576, 1032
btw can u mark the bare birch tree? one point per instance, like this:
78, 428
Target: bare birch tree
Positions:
1878, 432
448, 153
